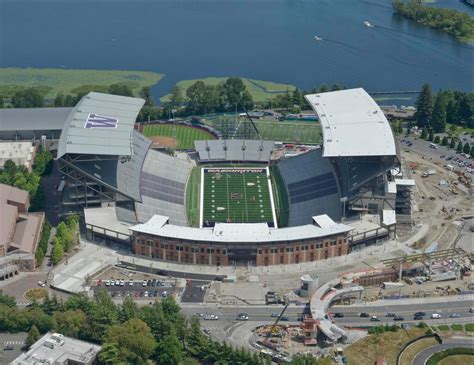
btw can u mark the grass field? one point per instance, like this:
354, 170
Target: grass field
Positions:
55, 80
388, 344
236, 196
296, 132
184, 135
457, 360
260, 90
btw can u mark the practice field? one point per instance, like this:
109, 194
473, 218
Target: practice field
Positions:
236, 195
272, 130
184, 135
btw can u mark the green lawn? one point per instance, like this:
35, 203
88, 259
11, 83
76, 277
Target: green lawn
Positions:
293, 132
457, 327
241, 196
260, 90
55, 80
469, 327
193, 196
184, 135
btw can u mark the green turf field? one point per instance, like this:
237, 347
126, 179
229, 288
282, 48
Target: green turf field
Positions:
192, 197
184, 135
293, 132
236, 196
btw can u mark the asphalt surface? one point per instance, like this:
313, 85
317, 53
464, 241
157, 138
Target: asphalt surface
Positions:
445, 309
194, 291
137, 289
422, 357
440, 154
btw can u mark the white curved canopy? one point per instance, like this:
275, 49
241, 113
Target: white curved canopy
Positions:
352, 124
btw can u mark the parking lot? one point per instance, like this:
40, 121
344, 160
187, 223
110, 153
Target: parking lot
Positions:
139, 289
12, 344
194, 291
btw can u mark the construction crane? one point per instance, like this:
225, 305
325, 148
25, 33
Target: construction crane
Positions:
272, 330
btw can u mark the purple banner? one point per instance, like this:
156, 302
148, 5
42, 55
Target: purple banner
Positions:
100, 121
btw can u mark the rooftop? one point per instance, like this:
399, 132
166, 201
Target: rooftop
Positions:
54, 348
21, 153
100, 124
352, 124
33, 118
241, 232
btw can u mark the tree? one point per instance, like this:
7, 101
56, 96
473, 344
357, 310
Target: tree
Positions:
424, 133
436, 139
176, 98
27, 98
424, 107
109, 354
430, 135
33, 336
444, 141
169, 350
58, 252
69, 322
336, 87
235, 94
459, 147
323, 88
101, 317
452, 144
472, 151
467, 148
297, 97
120, 89
129, 309
7, 300
145, 93
59, 100
438, 118
135, 342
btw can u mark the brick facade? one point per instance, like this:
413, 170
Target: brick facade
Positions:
225, 254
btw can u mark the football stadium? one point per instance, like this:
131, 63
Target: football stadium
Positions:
233, 201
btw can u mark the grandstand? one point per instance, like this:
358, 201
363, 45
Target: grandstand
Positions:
234, 150
311, 191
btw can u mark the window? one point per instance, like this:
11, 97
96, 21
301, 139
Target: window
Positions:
319, 245
224, 252
282, 250
297, 259
282, 260
333, 242
312, 247
260, 251
265, 261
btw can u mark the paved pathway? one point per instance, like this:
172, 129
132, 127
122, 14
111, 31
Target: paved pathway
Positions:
422, 357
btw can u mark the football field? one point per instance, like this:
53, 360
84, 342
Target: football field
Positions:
236, 195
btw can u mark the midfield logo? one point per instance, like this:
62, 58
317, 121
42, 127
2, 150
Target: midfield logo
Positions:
99, 121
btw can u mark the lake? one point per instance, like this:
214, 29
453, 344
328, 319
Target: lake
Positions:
261, 39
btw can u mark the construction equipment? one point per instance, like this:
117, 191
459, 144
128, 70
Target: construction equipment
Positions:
272, 330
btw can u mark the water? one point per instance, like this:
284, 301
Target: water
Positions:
261, 39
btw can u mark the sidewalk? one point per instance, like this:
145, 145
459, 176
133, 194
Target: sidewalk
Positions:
407, 301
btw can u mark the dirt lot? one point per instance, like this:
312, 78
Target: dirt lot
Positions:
163, 142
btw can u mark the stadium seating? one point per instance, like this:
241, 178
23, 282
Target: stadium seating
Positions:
236, 150
312, 187
163, 187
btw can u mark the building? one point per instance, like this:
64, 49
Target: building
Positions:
21, 153
32, 123
20, 231
57, 349
241, 243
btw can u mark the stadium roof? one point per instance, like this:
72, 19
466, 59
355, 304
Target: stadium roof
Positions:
33, 119
352, 124
100, 124
240, 232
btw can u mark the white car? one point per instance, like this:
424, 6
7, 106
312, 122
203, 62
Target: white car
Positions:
122, 282
144, 283
130, 282
40, 283
107, 283
435, 316
211, 317
145, 294
112, 282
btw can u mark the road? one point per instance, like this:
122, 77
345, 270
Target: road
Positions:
352, 313
422, 357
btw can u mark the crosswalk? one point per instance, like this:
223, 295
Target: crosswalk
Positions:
6, 343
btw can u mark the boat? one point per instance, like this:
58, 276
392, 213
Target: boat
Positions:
368, 24
316, 38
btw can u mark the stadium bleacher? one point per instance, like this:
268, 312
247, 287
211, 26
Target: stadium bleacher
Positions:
162, 187
312, 187
236, 150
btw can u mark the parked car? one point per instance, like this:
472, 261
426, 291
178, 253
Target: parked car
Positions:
99, 282
40, 283
7, 347
122, 282
244, 317
200, 315
364, 315
374, 319
107, 283
130, 282
471, 310
144, 283
207, 331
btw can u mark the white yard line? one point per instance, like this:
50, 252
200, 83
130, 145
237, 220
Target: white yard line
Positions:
202, 199
245, 197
